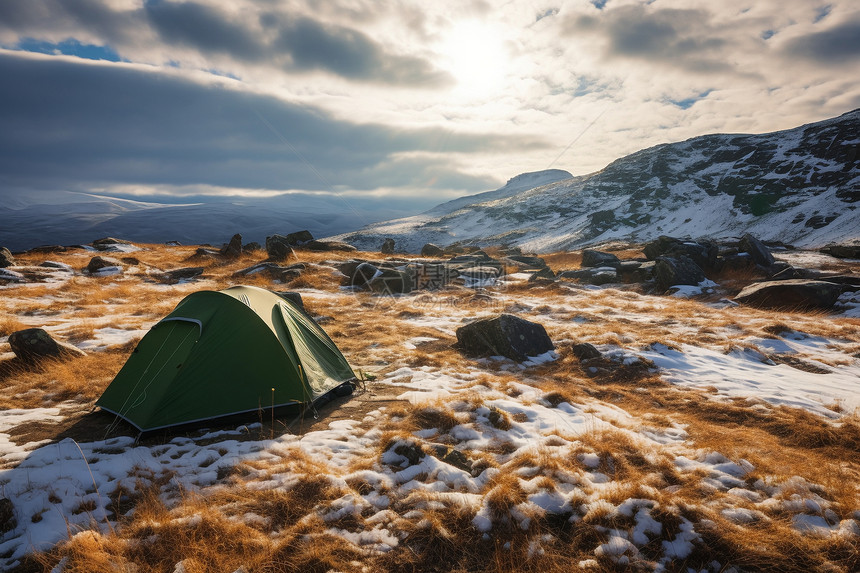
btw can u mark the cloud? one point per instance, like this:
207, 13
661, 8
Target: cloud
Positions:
837, 45
74, 123
683, 38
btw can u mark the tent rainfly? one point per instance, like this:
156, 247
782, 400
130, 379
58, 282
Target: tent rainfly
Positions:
221, 353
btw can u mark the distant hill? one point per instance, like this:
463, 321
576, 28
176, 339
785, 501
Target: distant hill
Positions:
800, 186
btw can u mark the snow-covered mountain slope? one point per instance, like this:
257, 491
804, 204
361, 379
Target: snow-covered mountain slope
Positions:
800, 186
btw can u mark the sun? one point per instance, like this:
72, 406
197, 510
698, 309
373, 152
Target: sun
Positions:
475, 54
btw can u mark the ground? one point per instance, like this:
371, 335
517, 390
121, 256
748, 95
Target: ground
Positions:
708, 435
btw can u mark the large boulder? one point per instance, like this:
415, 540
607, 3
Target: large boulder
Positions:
278, 248
233, 249
704, 252
387, 247
842, 251
529, 261
391, 281
596, 276
431, 250
592, 258
174, 276
98, 263
363, 274
791, 294
34, 344
504, 335
757, 250
678, 270
6, 258
327, 246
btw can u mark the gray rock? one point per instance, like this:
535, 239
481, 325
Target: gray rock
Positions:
391, 281
544, 274
592, 258
253, 246
279, 248
504, 335
11, 276
760, 254
585, 351
185, 273
98, 262
299, 238
678, 270
293, 297
431, 250
842, 251
598, 276
363, 274
273, 270
704, 252
57, 265
106, 243
387, 247
529, 261
791, 294
233, 249
34, 344
6, 258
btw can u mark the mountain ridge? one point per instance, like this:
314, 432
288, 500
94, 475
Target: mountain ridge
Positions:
798, 186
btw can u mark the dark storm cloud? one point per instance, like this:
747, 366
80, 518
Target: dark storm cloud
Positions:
71, 124
679, 38
284, 40
204, 28
313, 45
837, 45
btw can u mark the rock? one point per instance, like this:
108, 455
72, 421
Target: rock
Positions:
545, 274
678, 270
11, 276
842, 251
183, 274
98, 263
253, 246
273, 270
790, 294
202, 253
6, 258
474, 274
387, 247
293, 297
592, 258
431, 250
233, 249
48, 249
598, 276
704, 253
391, 281
529, 261
278, 248
326, 246
299, 238
757, 250
33, 344
585, 351
8, 521
363, 274
106, 243
57, 265
504, 335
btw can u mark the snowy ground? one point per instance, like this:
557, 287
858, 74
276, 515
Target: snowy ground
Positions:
62, 488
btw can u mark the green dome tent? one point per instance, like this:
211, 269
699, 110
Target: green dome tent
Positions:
224, 353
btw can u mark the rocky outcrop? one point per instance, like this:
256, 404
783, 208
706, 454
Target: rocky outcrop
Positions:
278, 248
431, 250
842, 251
391, 281
792, 294
592, 258
757, 250
233, 249
6, 258
677, 270
504, 335
703, 253
34, 344
597, 276
98, 263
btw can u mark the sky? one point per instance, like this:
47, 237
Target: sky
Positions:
402, 102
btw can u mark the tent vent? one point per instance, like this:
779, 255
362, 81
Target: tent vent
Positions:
244, 298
